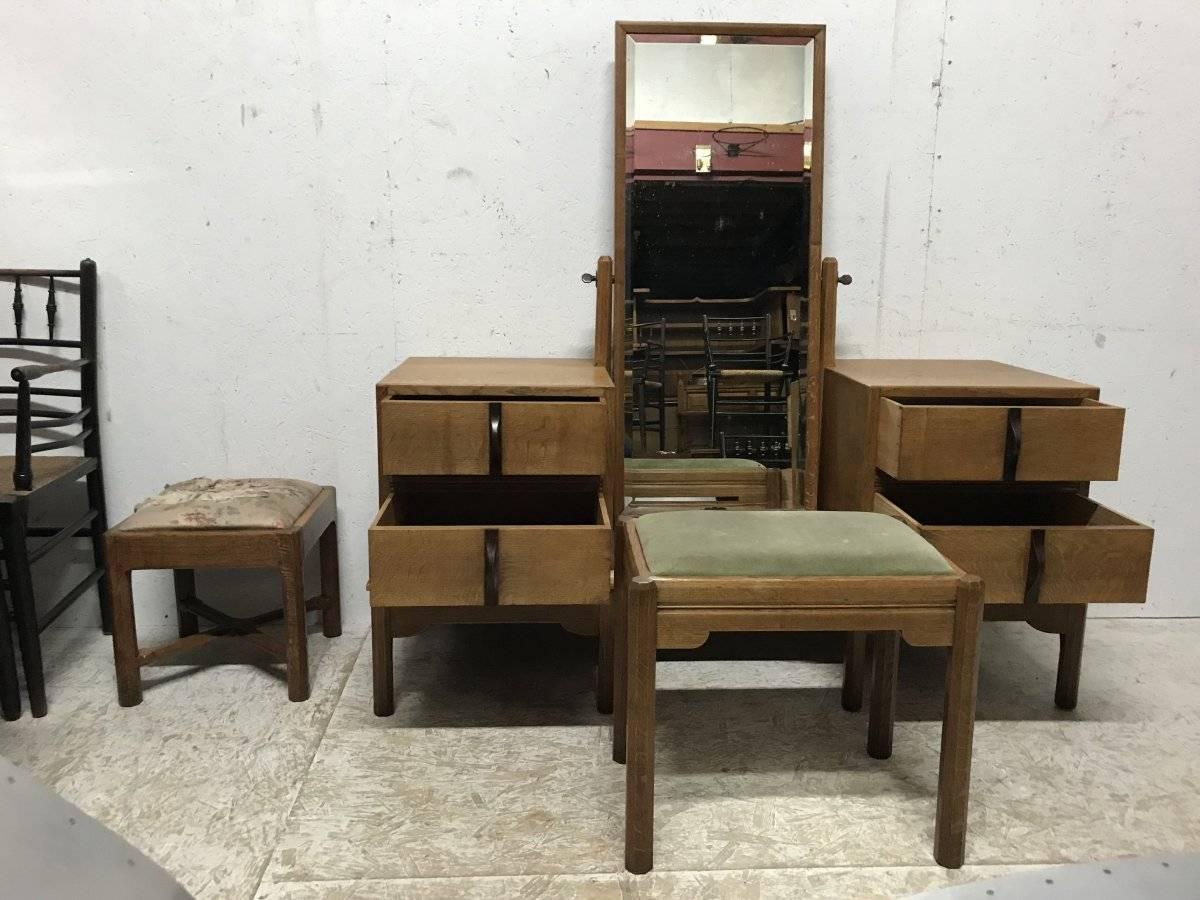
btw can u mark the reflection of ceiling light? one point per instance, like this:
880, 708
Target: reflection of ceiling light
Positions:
708, 38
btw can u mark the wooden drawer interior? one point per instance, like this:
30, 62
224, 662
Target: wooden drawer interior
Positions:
1002, 440
1043, 546
470, 542
442, 436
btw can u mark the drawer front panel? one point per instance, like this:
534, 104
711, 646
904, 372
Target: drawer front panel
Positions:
552, 438
452, 565
468, 437
427, 437
1103, 559
999, 443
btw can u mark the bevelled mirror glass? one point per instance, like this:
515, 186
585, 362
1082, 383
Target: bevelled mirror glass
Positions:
717, 202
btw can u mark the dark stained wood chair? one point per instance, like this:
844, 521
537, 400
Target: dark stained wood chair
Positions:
683, 575
62, 417
748, 373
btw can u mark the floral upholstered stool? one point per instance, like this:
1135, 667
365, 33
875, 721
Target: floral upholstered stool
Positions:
237, 523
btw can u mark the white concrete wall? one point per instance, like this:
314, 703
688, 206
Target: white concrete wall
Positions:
286, 198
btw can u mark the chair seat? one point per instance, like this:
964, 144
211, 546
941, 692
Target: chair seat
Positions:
46, 470
201, 503
782, 544
663, 464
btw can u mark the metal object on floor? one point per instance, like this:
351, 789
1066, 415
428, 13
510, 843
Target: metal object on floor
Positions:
51, 850
1167, 877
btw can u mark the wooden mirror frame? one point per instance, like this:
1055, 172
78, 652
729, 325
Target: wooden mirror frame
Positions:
819, 332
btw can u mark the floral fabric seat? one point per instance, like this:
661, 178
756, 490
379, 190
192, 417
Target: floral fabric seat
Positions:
225, 503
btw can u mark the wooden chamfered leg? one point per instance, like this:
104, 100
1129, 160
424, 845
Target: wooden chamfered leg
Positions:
331, 589
855, 672
642, 612
604, 661
885, 657
291, 570
1070, 658
958, 728
10, 695
185, 589
381, 661
620, 655
124, 629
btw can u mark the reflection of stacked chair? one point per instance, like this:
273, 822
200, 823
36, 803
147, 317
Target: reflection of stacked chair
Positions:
748, 374
646, 375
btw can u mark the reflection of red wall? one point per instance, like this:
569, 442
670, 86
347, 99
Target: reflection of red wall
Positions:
674, 150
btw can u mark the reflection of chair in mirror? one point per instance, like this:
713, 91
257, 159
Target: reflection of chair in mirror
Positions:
747, 373
656, 484
646, 377
765, 449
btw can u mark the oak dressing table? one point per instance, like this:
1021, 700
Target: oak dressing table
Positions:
991, 463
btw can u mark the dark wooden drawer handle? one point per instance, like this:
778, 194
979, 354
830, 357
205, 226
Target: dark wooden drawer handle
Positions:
1012, 444
495, 453
491, 567
1035, 571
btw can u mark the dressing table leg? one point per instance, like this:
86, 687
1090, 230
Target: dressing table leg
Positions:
604, 661
381, 661
855, 671
1070, 658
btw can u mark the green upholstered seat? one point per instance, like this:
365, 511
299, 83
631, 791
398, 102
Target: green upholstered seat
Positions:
783, 543
664, 464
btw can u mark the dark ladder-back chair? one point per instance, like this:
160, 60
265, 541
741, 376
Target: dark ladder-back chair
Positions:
646, 365
748, 372
51, 414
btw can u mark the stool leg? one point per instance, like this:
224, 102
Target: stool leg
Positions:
1070, 659
639, 766
185, 589
331, 590
958, 728
381, 661
291, 570
855, 672
885, 656
604, 660
20, 586
124, 633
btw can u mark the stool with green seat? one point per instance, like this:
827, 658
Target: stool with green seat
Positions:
686, 574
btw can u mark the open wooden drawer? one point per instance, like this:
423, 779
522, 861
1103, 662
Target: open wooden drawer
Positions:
465, 542
1045, 546
970, 441
438, 436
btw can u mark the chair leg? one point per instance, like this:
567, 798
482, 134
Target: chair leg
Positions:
712, 410
124, 636
10, 694
642, 612
95, 492
958, 728
855, 672
885, 657
331, 589
291, 570
185, 589
604, 661
381, 661
20, 586
1070, 659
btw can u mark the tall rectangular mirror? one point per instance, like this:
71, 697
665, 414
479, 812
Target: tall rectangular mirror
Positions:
717, 232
